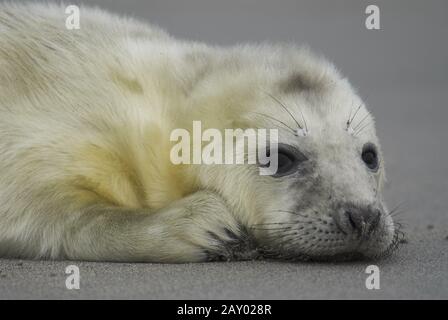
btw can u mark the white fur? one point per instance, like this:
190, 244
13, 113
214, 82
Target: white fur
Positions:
85, 119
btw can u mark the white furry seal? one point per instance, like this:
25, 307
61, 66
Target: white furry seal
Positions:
85, 120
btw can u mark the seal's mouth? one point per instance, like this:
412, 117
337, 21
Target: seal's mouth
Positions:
245, 247
338, 257
364, 251
347, 232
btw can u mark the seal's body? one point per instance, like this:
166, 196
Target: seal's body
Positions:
85, 170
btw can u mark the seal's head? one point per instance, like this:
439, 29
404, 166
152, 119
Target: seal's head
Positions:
324, 200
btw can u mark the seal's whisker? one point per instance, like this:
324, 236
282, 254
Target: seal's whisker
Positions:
304, 121
279, 228
272, 253
288, 254
401, 225
396, 210
397, 213
397, 225
303, 117
360, 122
397, 239
291, 212
291, 237
293, 245
398, 236
285, 108
272, 118
362, 128
349, 116
270, 223
354, 115
274, 237
299, 232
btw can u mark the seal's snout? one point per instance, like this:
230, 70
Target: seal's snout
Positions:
357, 220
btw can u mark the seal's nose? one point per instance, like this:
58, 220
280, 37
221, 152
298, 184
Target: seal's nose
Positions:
358, 220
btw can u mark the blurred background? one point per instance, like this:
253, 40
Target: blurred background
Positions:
400, 71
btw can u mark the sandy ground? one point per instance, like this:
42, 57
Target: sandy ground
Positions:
419, 271
401, 70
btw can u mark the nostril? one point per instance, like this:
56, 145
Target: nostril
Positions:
362, 221
375, 221
351, 220
357, 220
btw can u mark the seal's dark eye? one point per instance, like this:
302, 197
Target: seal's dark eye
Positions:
288, 160
370, 156
285, 161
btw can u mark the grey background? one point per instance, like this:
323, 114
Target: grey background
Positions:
401, 71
